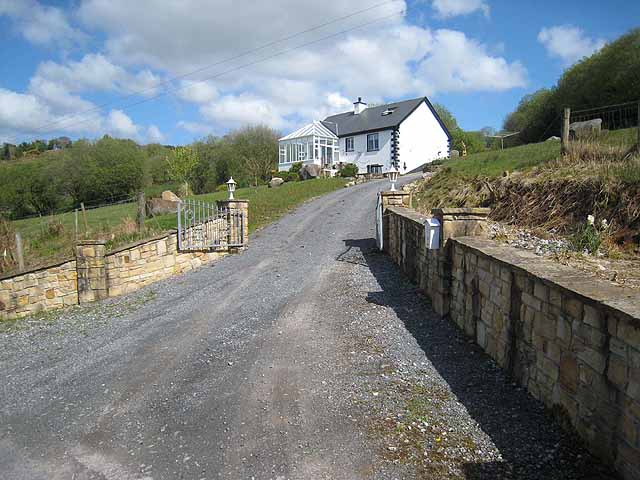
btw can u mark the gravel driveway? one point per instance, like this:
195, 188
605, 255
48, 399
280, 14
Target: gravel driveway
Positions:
305, 357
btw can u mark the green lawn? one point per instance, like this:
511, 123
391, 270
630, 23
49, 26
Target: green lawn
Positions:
51, 238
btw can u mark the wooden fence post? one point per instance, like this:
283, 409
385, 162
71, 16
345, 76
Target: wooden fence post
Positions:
141, 212
565, 131
19, 252
84, 216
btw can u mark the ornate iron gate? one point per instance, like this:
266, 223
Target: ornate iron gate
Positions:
205, 226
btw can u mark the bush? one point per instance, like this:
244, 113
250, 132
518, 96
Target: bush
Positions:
349, 170
295, 168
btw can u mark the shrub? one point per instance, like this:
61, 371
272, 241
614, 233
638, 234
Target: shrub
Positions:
349, 170
295, 168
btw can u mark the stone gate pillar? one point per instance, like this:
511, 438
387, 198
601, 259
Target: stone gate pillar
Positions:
461, 222
92, 271
397, 198
237, 221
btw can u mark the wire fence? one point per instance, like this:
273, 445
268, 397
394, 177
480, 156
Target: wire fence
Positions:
34, 240
612, 126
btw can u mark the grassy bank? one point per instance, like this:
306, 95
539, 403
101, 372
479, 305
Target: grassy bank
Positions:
51, 238
534, 186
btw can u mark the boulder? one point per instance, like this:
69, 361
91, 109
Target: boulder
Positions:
455, 153
309, 171
553, 138
170, 196
588, 128
158, 206
275, 182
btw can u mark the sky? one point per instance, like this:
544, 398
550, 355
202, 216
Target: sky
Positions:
175, 71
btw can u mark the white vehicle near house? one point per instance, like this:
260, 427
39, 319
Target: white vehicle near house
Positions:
406, 134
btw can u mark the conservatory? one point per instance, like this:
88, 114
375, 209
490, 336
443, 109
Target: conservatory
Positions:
313, 143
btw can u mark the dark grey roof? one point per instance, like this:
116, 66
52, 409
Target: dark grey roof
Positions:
371, 119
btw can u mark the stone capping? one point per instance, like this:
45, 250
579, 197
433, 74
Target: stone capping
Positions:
594, 291
409, 213
40, 268
138, 243
461, 211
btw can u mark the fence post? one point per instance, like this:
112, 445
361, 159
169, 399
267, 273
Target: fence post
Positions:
141, 212
19, 252
84, 217
565, 130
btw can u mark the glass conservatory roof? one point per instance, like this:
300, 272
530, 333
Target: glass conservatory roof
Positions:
315, 128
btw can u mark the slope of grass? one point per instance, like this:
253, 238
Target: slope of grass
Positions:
495, 162
51, 238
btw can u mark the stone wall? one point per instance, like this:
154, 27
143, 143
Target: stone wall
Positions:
94, 274
574, 343
47, 288
135, 266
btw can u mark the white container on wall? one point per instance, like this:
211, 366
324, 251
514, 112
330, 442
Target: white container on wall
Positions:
432, 234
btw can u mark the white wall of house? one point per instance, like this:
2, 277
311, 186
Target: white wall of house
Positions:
361, 157
422, 139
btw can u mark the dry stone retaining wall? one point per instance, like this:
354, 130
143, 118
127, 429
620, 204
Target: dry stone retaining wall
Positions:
573, 342
44, 289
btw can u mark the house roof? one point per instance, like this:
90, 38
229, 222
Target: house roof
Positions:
371, 119
314, 128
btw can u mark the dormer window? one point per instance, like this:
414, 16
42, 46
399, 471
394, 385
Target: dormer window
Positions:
388, 111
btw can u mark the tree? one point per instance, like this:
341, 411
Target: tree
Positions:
181, 167
257, 150
446, 116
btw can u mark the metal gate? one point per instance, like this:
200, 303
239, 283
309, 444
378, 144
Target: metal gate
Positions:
205, 226
379, 232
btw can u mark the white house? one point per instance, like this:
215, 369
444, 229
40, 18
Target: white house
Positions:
406, 134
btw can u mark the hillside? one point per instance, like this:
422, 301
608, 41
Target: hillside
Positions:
533, 186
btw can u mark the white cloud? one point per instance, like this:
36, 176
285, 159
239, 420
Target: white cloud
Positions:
41, 24
457, 63
197, 92
386, 61
95, 72
119, 124
568, 43
195, 127
454, 8
154, 135
237, 110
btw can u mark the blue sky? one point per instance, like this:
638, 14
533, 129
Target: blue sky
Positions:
84, 68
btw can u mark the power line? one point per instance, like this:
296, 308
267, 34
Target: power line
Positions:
46, 127
225, 72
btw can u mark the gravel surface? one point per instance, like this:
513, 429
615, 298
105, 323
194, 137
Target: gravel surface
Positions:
305, 357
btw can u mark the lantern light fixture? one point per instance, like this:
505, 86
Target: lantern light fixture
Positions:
231, 186
393, 177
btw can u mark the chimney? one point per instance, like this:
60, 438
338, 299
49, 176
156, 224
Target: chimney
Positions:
359, 106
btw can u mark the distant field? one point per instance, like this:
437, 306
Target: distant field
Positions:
51, 238
493, 163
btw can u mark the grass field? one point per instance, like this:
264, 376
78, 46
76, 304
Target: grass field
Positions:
493, 163
51, 238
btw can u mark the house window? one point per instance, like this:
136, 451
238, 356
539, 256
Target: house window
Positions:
374, 169
372, 142
348, 144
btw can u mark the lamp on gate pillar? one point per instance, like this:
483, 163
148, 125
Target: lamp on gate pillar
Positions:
231, 186
393, 177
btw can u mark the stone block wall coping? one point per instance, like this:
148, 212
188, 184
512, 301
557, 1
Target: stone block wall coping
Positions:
400, 193
409, 213
91, 242
40, 268
594, 291
131, 245
460, 211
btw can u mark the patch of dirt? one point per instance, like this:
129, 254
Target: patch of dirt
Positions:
549, 244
